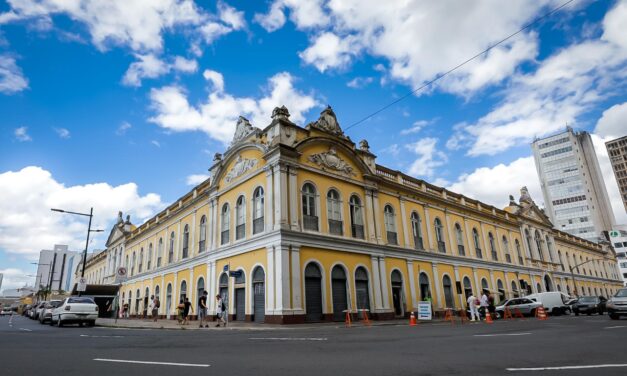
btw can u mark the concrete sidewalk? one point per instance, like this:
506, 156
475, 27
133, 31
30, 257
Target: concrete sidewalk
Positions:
238, 325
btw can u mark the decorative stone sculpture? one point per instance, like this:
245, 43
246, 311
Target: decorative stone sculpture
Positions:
328, 122
242, 130
280, 113
217, 157
120, 217
331, 160
525, 197
363, 145
241, 166
511, 200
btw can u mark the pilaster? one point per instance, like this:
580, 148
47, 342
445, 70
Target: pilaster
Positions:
406, 243
437, 283
293, 198
412, 285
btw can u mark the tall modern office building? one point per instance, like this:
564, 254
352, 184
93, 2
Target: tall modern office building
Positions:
56, 268
617, 151
572, 184
1, 277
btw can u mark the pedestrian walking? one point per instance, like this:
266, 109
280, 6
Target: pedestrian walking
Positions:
186, 311
125, 310
484, 303
491, 306
202, 309
220, 310
179, 311
155, 309
151, 305
473, 305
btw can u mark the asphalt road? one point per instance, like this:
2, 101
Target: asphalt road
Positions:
28, 348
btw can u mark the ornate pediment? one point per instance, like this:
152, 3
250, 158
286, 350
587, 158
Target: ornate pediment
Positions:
240, 167
243, 129
327, 122
331, 160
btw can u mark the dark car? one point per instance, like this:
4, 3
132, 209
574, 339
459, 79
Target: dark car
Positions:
590, 305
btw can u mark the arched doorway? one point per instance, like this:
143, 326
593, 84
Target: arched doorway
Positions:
313, 293
138, 301
240, 297
168, 301
425, 290
146, 302
361, 289
484, 286
157, 296
183, 292
224, 289
501, 289
259, 294
448, 292
515, 290
548, 284
539, 287
338, 288
200, 288
467, 287
397, 293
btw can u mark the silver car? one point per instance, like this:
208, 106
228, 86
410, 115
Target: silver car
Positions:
617, 305
526, 306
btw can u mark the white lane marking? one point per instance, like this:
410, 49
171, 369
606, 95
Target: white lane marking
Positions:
156, 363
287, 339
26, 330
567, 367
85, 335
502, 334
616, 327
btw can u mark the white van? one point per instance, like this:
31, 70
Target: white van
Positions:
554, 302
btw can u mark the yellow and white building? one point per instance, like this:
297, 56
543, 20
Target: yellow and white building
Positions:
317, 227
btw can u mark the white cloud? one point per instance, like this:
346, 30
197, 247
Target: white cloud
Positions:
150, 66
614, 25
304, 13
12, 79
429, 157
359, 82
216, 79
62, 132
196, 179
330, 51
15, 278
274, 19
218, 114
125, 126
565, 85
394, 150
493, 185
416, 127
613, 122
21, 134
138, 24
155, 143
28, 226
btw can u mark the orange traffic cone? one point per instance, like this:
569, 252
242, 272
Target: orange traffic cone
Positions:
488, 318
541, 313
412, 320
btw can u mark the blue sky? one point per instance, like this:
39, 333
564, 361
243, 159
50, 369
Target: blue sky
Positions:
121, 105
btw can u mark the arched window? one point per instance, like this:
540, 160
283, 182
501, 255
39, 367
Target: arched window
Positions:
425, 289
467, 287
528, 238
559, 255
258, 211
138, 300
361, 288
439, 235
390, 224
495, 255
202, 234
171, 248
538, 240
200, 287
126, 263
448, 291
459, 236
416, 229
159, 252
484, 285
133, 264
539, 287
519, 252
310, 214
508, 257
141, 260
149, 262
549, 248
476, 241
334, 212
157, 292
515, 290
240, 218
183, 292
357, 219
501, 288
185, 241
168, 300
225, 220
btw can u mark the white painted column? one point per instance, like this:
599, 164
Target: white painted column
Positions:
215, 230
270, 280
293, 198
175, 296
478, 289
462, 299
192, 250
471, 244
269, 199
383, 277
412, 285
449, 229
297, 300
213, 287
370, 221
376, 284
162, 292
428, 226
436, 283
533, 284
280, 197
492, 283
406, 243
191, 288
282, 279
486, 242
378, 227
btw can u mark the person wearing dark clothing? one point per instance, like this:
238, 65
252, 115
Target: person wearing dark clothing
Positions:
186, 310
202, 309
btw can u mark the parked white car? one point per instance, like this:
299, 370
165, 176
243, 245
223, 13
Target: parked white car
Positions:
554, 302
75, 310
46, 313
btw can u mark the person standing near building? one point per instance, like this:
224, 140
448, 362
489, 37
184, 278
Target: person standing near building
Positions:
202, 309
186, 311
484, 303
155, 309
220, 310
474, 307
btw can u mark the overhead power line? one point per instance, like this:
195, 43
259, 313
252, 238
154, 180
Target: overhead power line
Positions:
428, 83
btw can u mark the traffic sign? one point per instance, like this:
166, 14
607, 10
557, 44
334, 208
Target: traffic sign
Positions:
614, 234
235, 273
226, 268
121, 274
82, 284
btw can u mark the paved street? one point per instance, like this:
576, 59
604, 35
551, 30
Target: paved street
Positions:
26, 348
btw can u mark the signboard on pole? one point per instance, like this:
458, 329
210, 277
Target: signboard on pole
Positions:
82, 284
121, 274
235, 273
614, 234
424, 311
226, 268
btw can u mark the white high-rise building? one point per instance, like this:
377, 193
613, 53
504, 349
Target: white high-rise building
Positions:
56, 268
618, 238
572, 184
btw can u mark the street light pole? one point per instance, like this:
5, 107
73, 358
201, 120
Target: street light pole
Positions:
572, 273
